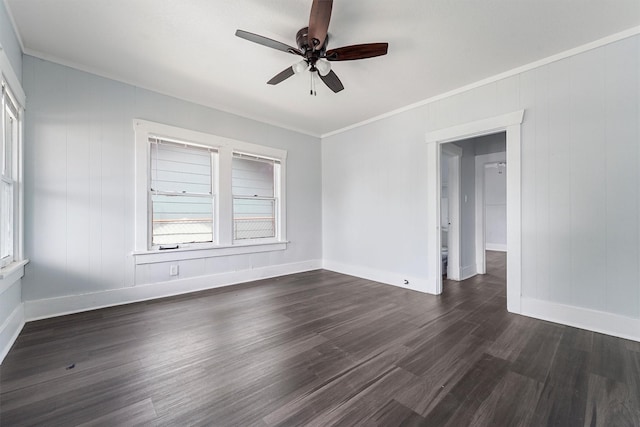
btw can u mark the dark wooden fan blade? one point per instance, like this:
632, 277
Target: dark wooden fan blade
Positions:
357, 51
332, 80
264, 41
319, 22
281, 76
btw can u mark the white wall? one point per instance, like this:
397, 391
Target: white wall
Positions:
580, 182
79, 174
495, 206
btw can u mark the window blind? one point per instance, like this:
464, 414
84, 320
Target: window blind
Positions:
181, 193
254, 196
180, 168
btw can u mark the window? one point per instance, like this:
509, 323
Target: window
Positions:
255, 196
8, 200
196, 191
180, 193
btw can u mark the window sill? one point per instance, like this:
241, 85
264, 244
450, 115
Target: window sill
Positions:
12, 268
150, 257
11, 273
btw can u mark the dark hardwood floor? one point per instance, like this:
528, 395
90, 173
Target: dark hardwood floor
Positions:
322, 349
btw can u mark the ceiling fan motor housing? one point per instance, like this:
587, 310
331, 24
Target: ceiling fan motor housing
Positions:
302, 40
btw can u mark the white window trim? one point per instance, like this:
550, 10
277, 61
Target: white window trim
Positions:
223, 244
8, 78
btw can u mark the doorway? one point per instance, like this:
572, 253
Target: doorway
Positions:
472, 203
491, 206
511, 124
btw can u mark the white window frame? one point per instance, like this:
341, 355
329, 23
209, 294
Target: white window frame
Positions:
11, 91
223, 243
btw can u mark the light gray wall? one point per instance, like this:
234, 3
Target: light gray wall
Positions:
79, 177
9, 41
467, 206
495, 206
495, 189
10, 298
580, 180
11, 319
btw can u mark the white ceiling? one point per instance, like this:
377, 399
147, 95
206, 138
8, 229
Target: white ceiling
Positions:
187, 49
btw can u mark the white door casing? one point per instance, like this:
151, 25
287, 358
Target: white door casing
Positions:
511, 123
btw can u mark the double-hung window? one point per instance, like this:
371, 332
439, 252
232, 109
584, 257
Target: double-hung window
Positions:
196, 191
10, 135
255, 188
180, 193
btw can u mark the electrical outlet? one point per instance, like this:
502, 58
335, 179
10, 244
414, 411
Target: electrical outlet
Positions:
173, 270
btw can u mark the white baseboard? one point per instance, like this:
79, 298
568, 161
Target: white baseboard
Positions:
52, 307
496, 247
386, 277
468, 272
10, 330
583, 318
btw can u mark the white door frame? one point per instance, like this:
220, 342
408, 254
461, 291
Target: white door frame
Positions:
454, 154
511, 123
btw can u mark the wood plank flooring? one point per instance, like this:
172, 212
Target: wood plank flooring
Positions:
320, 349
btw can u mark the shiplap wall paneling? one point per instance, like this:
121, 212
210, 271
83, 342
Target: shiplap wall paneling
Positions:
528, 177
10, 299
97, 274
11, 316
545, 214
78, 155
45, 182
558, 285
588, 195
117, 182
78, 188
622, 178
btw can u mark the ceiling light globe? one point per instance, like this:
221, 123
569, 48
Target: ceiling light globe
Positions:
323, 67
300, 67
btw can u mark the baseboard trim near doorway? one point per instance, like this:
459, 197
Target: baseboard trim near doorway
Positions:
583, 318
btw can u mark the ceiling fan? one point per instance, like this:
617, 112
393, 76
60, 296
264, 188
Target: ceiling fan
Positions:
312, 47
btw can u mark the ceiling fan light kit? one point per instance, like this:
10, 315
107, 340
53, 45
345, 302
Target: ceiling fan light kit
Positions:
323, 67
300, 67
312, 47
